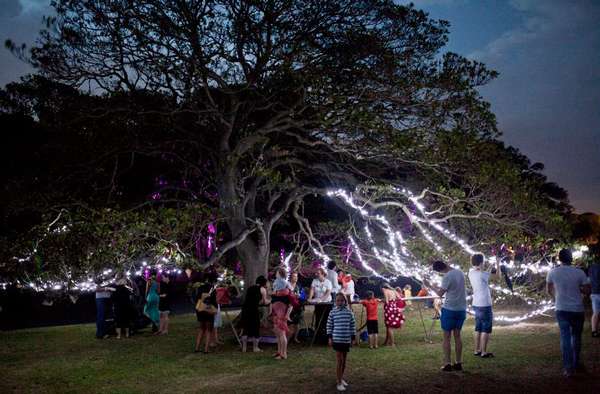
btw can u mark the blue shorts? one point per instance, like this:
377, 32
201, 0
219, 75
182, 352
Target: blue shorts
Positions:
452, 320
483, 319
595, 303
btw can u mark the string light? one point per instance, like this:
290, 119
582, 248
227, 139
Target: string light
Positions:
399, 266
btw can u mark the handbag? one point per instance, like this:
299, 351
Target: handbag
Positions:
203, 306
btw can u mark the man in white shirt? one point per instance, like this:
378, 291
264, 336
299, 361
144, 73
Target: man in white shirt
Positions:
482, 304
332, 277
567, 284
454, 312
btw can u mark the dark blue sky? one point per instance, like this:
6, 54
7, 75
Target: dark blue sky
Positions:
547, 97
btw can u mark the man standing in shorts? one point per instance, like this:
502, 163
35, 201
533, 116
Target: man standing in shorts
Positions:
567, 284
482, 304
454, 312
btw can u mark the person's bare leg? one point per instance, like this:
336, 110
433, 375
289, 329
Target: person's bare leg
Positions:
338, 367
457, 346
244, 343
595, 321
127, 332
477, 342
387, 336
161, 324
344, 355
278, 337
376, 340
207, 340
446, 347
165, 329
392, 340
119, 332
198, 339
284, 344
485, 338
255, 347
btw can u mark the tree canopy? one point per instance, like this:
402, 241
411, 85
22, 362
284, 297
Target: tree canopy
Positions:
256, 105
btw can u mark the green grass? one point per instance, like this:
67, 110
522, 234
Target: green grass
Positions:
69, 359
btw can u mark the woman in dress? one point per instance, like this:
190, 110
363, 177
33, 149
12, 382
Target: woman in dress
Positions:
298, 311
250, 316
281, 307
152, 299
123, 308
206, 308
392, 312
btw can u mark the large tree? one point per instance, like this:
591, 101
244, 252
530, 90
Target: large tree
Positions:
275, 100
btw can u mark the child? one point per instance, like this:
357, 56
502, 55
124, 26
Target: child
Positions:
347, 286
341, 331
372, 320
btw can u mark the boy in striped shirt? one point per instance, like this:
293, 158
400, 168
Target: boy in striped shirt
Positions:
341, 329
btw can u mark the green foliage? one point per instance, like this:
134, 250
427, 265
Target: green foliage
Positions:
83, 242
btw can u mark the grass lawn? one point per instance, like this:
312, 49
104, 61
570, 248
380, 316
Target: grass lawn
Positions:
70, 359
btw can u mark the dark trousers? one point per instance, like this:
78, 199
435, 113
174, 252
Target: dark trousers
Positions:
321, 315
100, 317
571, 326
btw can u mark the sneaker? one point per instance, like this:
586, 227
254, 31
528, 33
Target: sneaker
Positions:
344, 383
447, 368
341, 387
568, 373
457, 367
477, 354
487, 355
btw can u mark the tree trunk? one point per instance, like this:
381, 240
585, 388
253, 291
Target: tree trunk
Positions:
254, 254
254, 259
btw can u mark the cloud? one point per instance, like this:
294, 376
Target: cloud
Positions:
22, 27
544, 20
548, 92
10, 9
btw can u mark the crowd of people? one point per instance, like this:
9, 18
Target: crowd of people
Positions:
332, 292
120, 299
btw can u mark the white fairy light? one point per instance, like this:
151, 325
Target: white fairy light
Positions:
393, 259
286, 262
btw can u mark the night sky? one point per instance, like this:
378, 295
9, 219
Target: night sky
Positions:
547, 97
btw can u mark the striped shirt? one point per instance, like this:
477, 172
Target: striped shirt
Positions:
341, 326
